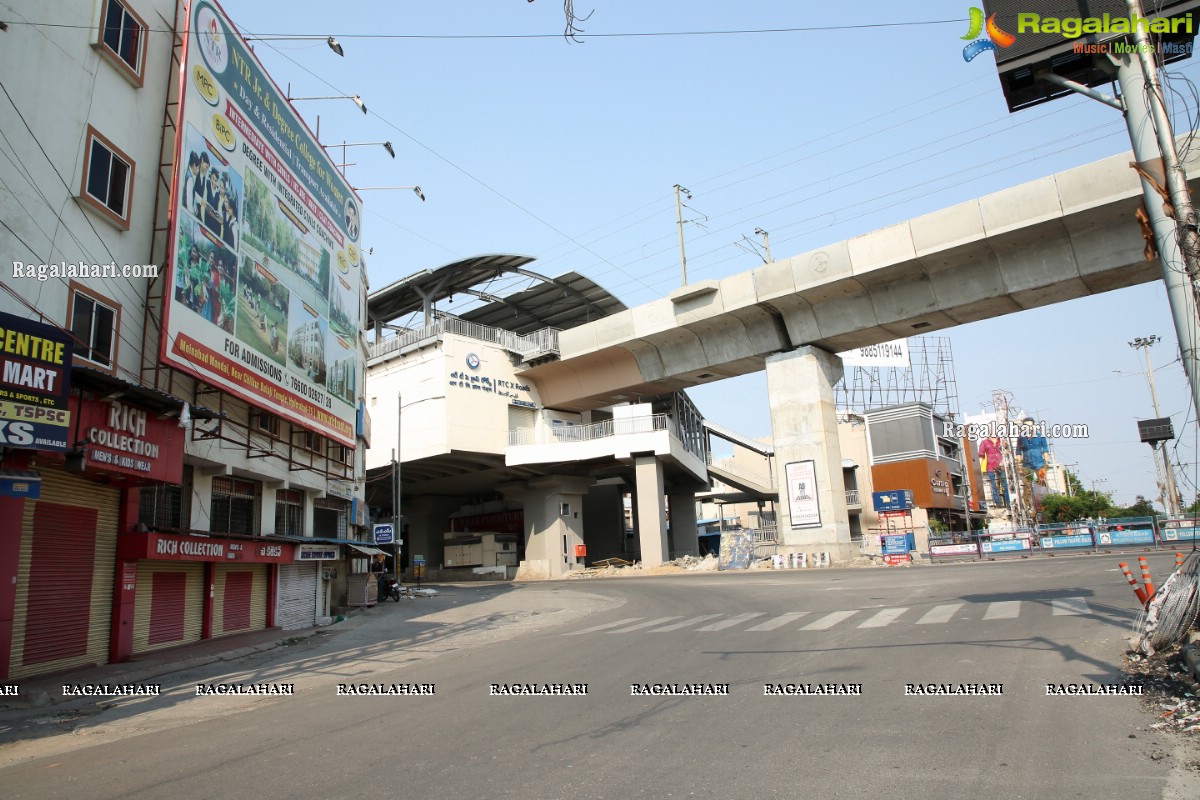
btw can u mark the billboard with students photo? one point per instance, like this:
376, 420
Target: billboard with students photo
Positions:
265, 262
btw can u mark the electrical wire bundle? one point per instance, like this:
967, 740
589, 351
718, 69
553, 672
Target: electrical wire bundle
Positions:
1172, 610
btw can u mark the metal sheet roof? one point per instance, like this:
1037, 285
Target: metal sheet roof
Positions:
562, 302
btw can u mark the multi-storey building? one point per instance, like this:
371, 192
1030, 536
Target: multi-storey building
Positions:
165, 475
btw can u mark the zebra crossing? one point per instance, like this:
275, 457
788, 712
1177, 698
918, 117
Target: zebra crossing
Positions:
865, 618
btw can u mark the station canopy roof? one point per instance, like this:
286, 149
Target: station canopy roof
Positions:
563, 302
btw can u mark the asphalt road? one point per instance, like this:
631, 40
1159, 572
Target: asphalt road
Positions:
1022, 625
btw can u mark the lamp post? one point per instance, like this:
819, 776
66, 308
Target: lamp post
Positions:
358, 101
766, 241
414, 189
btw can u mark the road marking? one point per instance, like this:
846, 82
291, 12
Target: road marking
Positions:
641, 625
1004, 609
829, 620
729, 623
595, 628
779, 622
939, 614
1069, 605
685, 624
883, 618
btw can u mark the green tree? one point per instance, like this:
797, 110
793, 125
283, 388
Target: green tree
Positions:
1140, 508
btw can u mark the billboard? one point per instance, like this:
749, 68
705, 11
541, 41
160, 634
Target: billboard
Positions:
265, 265
886, 354
35, 385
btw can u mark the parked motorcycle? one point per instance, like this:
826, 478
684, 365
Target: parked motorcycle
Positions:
389, 587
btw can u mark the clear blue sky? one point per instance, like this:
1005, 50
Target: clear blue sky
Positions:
568, 152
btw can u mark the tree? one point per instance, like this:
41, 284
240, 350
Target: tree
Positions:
1140, 508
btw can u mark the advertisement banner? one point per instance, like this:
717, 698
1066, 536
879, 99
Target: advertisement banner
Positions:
803, 506
1005, 545
35, 385
1125, 537
125, 439
964, 549
887, 354
266, 268
1064, 542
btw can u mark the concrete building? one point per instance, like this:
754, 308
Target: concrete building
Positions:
174, 491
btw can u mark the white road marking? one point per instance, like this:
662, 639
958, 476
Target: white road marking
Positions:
883, 618
595, 628
940, 614
1003, 609
687, 623
829, 620
1065, 606
779, 622
647, 624
729, 623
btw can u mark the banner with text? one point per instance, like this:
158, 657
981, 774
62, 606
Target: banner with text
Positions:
266, 270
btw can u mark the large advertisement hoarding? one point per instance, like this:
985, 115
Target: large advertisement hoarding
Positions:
265, 266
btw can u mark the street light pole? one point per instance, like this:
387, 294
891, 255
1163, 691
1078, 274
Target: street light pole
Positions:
679, 220
1171, 501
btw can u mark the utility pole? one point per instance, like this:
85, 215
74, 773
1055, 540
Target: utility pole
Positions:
679, 220
1162, 459
1177, 237
398, 457
1172, 218
766, 242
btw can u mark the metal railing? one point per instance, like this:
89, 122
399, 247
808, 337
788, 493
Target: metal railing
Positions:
733, 468
852, 497
534, 345
602, 430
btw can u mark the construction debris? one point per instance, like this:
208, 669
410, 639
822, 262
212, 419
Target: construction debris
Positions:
1169, 689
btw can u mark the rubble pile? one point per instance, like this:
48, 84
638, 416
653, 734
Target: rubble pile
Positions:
1169, 691
694, 563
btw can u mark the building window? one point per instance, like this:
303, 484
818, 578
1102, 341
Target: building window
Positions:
340, 454
235, 506
123, 39
331, 517
94, 324
289, 512
267, 423
107, 179
165, 505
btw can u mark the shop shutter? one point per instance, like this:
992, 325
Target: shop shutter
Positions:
169, 606
297, 596
64, 592
239, 598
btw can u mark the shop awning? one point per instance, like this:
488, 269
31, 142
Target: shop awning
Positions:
370, 551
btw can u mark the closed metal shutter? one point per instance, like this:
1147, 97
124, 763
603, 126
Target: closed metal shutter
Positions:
297, 596
63, 612
169, 606
239, 598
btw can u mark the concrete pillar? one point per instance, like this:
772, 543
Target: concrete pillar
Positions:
804, 427
651, 513
682, 502
553, 523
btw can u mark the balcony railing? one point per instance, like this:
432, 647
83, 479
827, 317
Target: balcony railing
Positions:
852, 497
533, 345
603, 430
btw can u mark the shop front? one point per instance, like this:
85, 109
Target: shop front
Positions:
59, 535
305, 586
180, 588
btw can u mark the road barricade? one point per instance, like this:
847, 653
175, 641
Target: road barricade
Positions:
1126, 533
1065, 536
1179, 529
1014, 543
956, 544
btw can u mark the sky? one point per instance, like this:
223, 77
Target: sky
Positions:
524, 142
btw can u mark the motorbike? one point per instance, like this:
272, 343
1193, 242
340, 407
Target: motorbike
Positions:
389, 587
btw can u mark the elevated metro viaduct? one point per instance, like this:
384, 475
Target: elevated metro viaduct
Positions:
1047, 241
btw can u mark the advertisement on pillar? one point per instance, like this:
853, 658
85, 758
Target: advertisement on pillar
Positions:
803, 506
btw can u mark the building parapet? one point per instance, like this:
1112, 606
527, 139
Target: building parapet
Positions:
602, 430
528, 347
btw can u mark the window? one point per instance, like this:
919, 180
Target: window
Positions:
267, 422
306, 439
123, 39
289, 512
107, 179
340, 454
165, 505
235, 506
94, 324
331, 517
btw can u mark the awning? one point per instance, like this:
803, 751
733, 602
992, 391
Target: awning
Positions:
848, 463
370, 551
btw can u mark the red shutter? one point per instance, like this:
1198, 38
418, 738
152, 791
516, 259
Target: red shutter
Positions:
168, 606
235, 615
60, 583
